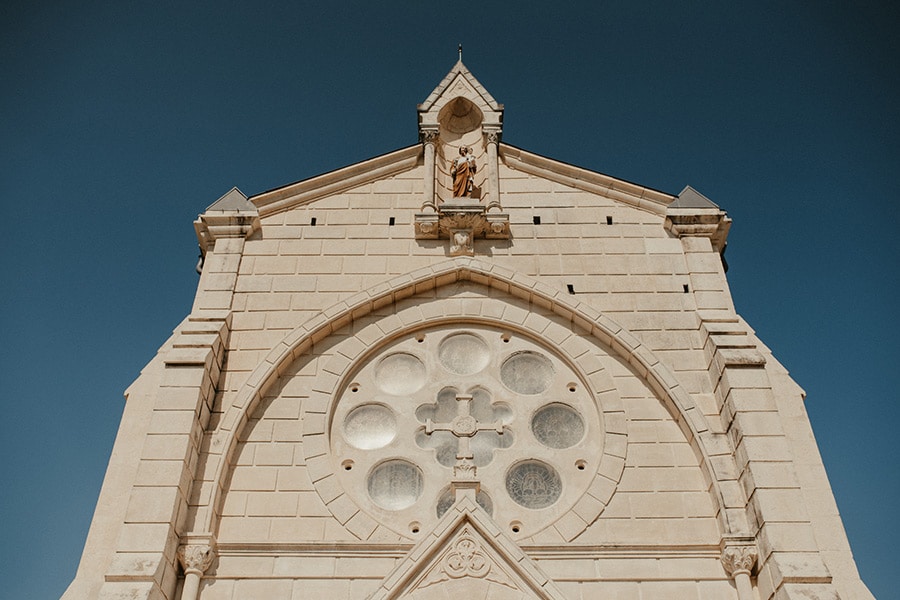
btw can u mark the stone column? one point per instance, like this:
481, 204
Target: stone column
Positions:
738, 562
429, 137
493, 139
195, 559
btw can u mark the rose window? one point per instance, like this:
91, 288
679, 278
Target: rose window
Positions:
475, 402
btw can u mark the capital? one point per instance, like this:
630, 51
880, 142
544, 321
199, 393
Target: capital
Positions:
196, 558
493, 137
429, 136
739, 559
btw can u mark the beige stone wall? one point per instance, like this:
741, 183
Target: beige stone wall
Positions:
705, 440
630, 269
662, 497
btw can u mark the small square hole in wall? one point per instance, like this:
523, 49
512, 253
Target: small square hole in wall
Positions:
571, 288
609, 220
536, 219
686, 288
312, 222
391, 221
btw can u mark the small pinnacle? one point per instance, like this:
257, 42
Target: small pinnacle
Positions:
460, 52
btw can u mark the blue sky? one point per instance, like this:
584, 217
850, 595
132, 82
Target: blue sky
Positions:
120, 122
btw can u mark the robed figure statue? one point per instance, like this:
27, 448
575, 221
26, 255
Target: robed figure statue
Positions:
463, 172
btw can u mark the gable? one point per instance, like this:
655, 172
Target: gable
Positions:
466, 555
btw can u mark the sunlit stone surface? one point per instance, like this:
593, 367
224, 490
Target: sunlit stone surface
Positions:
446, 501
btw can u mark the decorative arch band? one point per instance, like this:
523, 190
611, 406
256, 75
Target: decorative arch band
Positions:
584, 317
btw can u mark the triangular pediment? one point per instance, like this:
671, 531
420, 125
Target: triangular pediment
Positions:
334, 182
233, 200
460, 84
691, 198
467, 555
458, 76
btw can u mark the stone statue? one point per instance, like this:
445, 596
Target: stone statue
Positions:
463, 172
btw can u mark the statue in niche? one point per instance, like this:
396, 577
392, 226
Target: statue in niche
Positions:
463, 172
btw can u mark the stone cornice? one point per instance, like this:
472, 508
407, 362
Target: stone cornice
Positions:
214, 225
647, 199
334, 182
712, 223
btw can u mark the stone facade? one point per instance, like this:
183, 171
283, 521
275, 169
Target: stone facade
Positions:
540, 389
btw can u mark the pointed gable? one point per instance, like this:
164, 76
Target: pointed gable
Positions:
459, 84
467, 555
691, 198
234, 199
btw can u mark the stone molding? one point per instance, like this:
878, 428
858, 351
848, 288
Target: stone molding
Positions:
664, 384
710, 223
214, 225
646, 199
335, 182
461, 221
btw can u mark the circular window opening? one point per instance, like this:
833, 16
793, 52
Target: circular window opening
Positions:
528, 373
370, 426
533, 484
395, 484
464, 354
400, 374
557, 426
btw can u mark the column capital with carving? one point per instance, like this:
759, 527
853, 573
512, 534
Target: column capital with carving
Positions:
429, 136
739, 558
196, 556
493, 136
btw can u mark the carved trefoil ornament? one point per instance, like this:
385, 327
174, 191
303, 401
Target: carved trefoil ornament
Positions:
466, 559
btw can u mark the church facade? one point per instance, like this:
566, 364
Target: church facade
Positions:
463, 368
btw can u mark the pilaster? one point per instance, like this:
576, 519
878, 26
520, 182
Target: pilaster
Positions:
776, 513
221, 232
157, 506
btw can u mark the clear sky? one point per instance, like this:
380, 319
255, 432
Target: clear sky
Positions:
121, 121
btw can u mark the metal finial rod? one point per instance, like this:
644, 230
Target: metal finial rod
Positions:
460, 52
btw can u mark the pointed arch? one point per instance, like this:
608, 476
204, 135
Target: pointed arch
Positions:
617, 339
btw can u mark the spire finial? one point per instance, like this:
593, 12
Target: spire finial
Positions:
460, 52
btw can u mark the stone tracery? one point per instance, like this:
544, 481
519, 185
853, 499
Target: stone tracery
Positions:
450, 392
